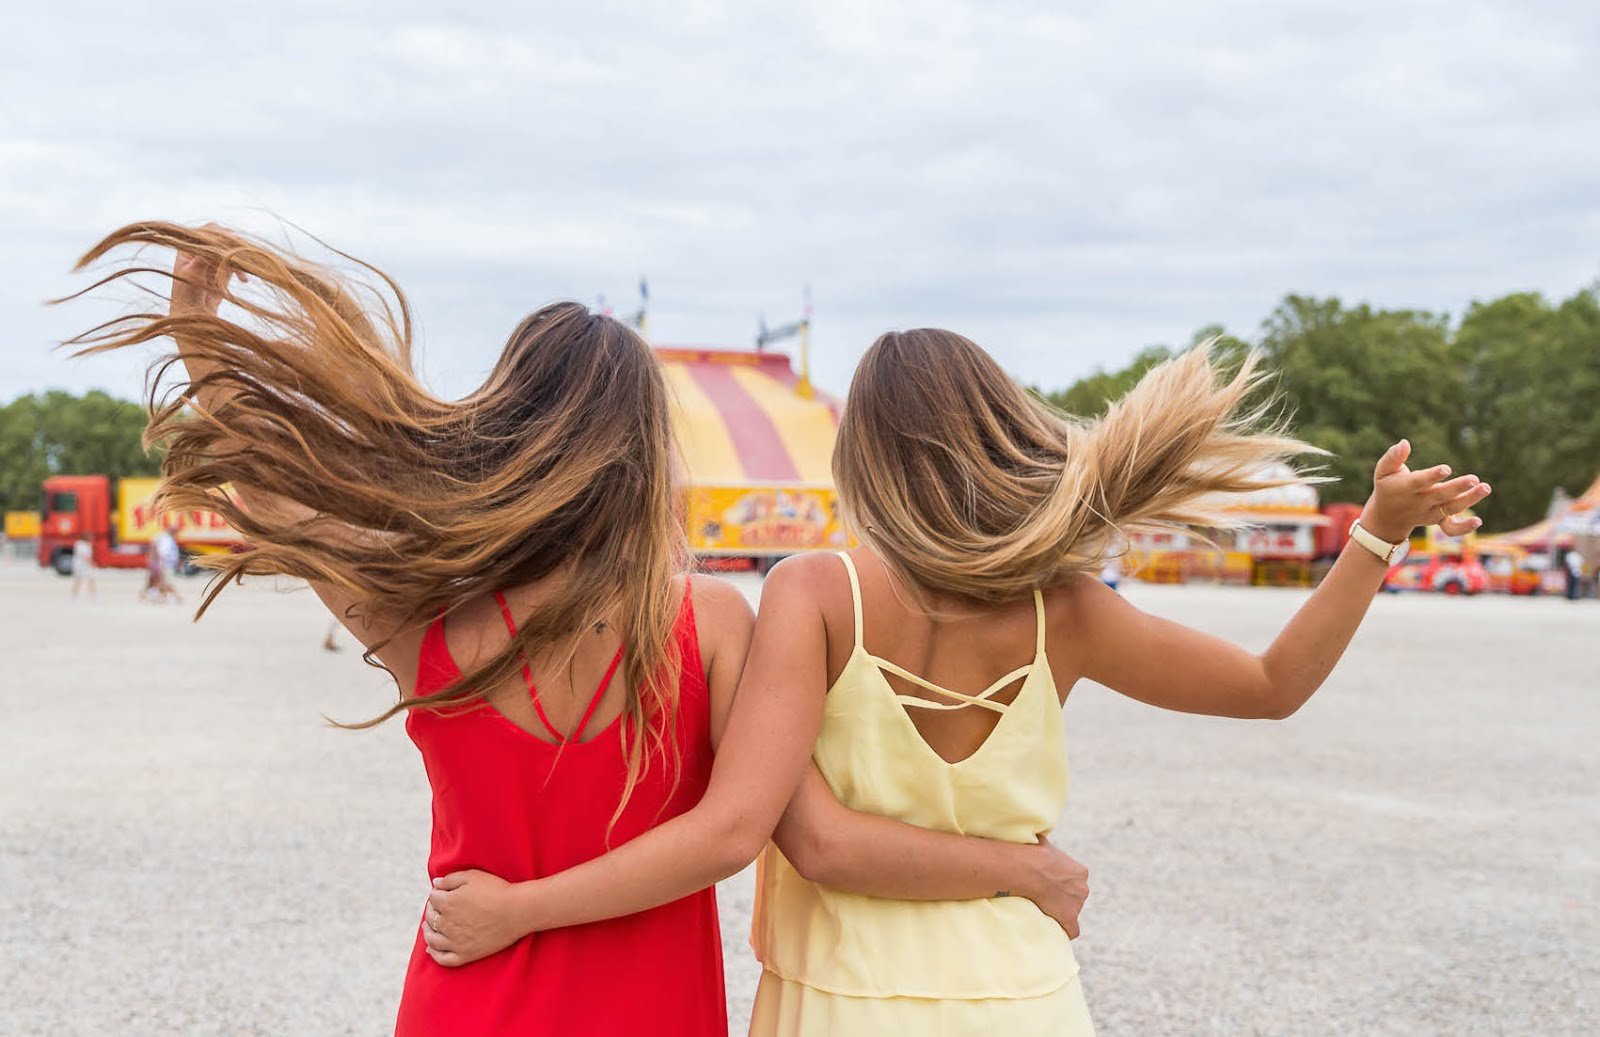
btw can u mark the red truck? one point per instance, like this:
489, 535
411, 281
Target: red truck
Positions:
119, 517
1332, 537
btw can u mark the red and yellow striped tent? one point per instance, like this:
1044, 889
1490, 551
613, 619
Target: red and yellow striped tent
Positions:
757, 450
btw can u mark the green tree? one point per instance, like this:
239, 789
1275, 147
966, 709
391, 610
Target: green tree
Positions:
58, 433
1089, 396
1356, 379
1530, 418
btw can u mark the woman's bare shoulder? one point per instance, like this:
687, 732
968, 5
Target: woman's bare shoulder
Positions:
716, 598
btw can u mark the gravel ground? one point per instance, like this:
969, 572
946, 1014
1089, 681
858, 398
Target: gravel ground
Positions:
185, 847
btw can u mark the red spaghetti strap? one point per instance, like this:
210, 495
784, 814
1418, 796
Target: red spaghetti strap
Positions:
600, 693
539, 709
533, 693
527, 671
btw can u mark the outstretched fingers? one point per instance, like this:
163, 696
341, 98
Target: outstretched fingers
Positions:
1393, 460
1426, 480
1453, 522
1450, 489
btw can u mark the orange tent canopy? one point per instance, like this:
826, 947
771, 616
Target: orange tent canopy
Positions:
1542, 535
1590, 498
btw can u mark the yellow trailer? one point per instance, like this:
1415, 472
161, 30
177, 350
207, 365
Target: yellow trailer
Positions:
197, 532
22, 525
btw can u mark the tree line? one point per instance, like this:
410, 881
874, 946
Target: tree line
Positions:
1511, 392
56, 432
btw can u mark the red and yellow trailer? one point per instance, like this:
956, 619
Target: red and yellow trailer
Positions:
119, 519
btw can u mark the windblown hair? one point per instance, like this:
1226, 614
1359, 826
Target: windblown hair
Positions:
968, 485
337, 466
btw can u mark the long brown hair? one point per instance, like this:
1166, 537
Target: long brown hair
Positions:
558, 468
966, 484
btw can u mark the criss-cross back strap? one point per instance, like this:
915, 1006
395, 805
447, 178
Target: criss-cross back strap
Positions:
963, 700
533, 693
511, 625
983, 699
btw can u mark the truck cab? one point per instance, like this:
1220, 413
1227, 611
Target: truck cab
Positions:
71, 506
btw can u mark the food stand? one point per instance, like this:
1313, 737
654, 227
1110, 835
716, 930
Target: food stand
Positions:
1274, 546
1546, 542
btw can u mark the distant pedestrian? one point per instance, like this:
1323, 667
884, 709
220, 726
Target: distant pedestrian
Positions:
170, 554
1574, 565
151, 591
83, 566
1111, 571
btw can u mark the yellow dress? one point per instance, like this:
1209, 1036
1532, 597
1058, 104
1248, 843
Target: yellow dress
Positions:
842, 964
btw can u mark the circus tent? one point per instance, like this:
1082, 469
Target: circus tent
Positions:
756, 447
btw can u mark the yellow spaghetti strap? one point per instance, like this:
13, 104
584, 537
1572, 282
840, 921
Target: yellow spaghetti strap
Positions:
1038, 611
855, 596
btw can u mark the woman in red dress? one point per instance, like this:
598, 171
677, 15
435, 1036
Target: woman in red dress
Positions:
514, 560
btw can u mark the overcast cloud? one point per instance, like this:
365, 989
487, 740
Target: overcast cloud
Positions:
1064, 187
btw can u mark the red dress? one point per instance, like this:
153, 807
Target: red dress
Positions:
518, 807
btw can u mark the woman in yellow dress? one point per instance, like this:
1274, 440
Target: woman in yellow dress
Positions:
985, 519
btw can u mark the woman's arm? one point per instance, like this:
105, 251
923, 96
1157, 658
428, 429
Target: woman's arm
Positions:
1171, 666
199, 285
832, 845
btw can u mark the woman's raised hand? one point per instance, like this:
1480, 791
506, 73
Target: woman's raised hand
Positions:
199, 282
1403, 499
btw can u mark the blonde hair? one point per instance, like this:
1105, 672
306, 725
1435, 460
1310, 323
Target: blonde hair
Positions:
558, 468
966, 484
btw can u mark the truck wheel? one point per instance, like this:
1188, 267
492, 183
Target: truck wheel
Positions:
61, 562
1453, 587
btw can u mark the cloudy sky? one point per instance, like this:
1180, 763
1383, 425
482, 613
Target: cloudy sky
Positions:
1064, 187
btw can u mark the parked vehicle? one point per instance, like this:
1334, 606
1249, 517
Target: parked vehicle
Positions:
1511, 569
1335, 533
119, 532
1443, 574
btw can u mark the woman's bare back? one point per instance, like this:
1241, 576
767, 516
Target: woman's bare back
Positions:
966, 647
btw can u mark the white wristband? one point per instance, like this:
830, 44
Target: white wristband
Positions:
1389, 554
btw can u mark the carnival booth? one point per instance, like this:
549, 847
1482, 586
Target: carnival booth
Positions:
757, 448
1275, 545
1573, 526
1582, 524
